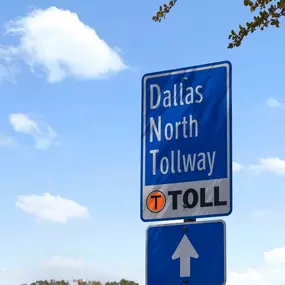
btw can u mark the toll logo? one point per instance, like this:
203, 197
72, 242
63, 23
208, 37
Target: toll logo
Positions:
155, 201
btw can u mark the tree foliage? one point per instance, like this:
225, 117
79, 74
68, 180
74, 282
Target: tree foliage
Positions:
163, 10
122, 282
268, 13
82, 282
51, 282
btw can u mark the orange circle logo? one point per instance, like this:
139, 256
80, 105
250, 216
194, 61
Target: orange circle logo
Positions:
155, 201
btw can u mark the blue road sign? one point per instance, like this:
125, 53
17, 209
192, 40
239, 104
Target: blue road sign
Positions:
186, 160
187, 253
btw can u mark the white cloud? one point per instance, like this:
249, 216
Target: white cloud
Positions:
274, 103
42, 133
6, 141
272, 164
59, 268
51, 208
8, 69
275, 256
60, 44
237, 167
59, 261
270, 273
250, 277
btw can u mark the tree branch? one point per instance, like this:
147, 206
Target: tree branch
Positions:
270, 12
269, 15
163, 10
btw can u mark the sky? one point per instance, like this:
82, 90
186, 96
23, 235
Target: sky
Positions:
70, 87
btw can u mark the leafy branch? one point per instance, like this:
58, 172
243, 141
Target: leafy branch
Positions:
270, 12
163, 10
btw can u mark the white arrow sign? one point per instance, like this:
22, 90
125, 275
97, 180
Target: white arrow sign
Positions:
185, 251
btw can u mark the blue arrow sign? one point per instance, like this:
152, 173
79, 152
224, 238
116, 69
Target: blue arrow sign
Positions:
186, 161
188, 253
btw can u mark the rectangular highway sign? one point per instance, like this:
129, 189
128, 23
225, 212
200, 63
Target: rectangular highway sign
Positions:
188, 253
186, 154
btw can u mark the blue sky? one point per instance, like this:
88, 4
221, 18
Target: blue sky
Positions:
94, 160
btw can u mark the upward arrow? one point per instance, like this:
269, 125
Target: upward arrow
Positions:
185, 251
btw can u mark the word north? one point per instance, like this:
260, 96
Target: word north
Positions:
177, 162
186, 128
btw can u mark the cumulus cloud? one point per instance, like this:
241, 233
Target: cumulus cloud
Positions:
275, 256
58, 43
59, 261
42, 133
274, 103
237, 167
274, 165
250, 277
57, 268
52, 208
8, 68
271, 272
